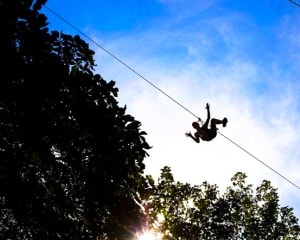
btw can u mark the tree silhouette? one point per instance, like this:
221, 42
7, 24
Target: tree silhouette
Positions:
71, 159
183, 212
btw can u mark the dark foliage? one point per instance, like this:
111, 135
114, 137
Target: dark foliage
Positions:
183, 212
71, 159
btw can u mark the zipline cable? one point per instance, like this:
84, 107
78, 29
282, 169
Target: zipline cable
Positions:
163, 92
256, 158
119, 60
293, 2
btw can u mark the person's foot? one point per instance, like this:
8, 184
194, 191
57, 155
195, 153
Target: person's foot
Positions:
225, 122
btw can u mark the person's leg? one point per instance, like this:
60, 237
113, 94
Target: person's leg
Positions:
225, 122
215, 121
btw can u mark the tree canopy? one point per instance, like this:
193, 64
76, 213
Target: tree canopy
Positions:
183, 212
71, 158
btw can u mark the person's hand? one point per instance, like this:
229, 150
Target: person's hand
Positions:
207, 105
188, 134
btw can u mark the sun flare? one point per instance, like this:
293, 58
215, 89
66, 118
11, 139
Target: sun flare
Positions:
147, 236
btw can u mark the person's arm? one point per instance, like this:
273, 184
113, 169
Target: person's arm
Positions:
197, 140
208, 115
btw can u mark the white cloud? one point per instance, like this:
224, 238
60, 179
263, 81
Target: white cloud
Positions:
262, 108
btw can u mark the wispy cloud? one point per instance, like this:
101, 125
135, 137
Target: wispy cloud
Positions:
218, 60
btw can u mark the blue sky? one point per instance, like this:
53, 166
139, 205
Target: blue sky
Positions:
243, 57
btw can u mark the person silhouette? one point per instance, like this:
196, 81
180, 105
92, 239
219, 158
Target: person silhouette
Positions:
204, 132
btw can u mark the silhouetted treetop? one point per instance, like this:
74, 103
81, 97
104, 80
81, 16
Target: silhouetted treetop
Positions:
71, 158
182, 211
